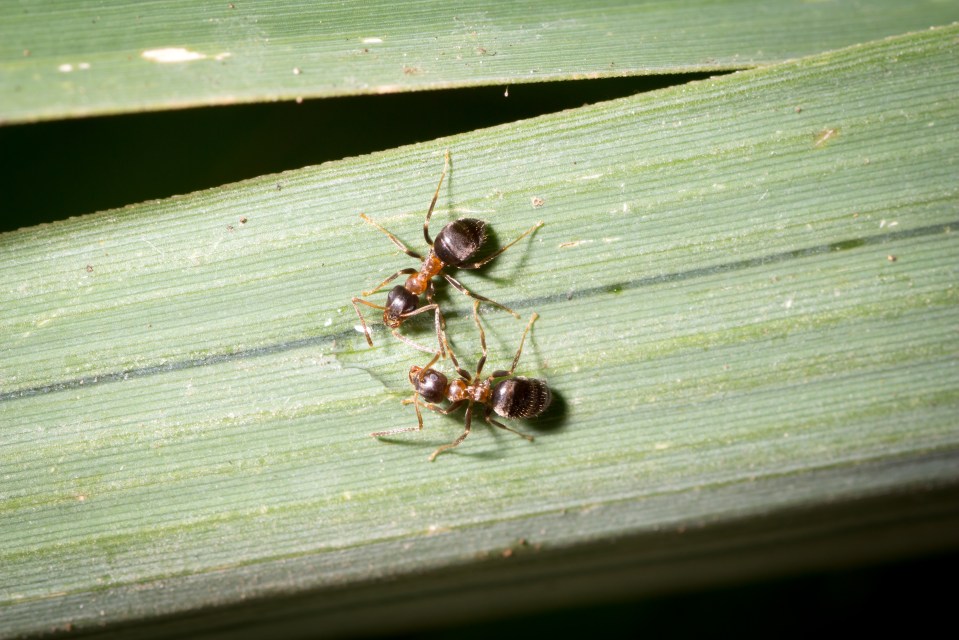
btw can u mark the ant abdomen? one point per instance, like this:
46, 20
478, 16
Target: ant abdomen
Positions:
521, 397
459, 240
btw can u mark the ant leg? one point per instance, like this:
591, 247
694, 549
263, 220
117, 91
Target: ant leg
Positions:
446, 447
389, 280
477, 265
419, 376
501, 374
393, 238
459, 287
429, 212
440, 320
366, 330
419, 416
419, 421
453, 406
399, 336
396, 334
463, 373
482, 334
490, 420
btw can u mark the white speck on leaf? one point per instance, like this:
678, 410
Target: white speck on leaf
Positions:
172, 54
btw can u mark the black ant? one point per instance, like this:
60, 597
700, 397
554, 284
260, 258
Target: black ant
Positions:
455, 244
514, 397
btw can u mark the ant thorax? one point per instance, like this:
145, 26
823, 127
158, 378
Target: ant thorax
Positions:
417, 283
461, 389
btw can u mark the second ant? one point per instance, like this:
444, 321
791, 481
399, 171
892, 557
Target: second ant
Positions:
511, 397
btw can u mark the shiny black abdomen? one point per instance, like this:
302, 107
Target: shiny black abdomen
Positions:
458, 241
521, 397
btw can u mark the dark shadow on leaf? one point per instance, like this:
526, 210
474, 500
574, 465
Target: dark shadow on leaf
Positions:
492, 244
555, 417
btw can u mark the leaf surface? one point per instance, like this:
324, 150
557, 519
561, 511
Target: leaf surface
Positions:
70, 58
748, 301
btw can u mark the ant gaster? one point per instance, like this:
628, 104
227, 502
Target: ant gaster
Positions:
455, 244
512, 397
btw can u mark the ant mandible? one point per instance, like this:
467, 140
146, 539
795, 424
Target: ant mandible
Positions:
455, 244
514, 397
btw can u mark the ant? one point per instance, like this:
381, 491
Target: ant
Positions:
514, 397
455, 244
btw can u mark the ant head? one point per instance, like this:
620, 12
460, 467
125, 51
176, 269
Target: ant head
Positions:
429, 383
399, 303
459, 240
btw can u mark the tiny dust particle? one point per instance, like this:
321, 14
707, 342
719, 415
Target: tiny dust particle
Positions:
537, 202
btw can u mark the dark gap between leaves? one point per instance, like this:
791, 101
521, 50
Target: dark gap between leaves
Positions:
67, 168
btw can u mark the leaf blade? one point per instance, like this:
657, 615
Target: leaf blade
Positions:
720, 317
73, 59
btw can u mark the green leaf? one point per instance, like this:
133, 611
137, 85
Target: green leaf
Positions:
748, 301
68, 58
